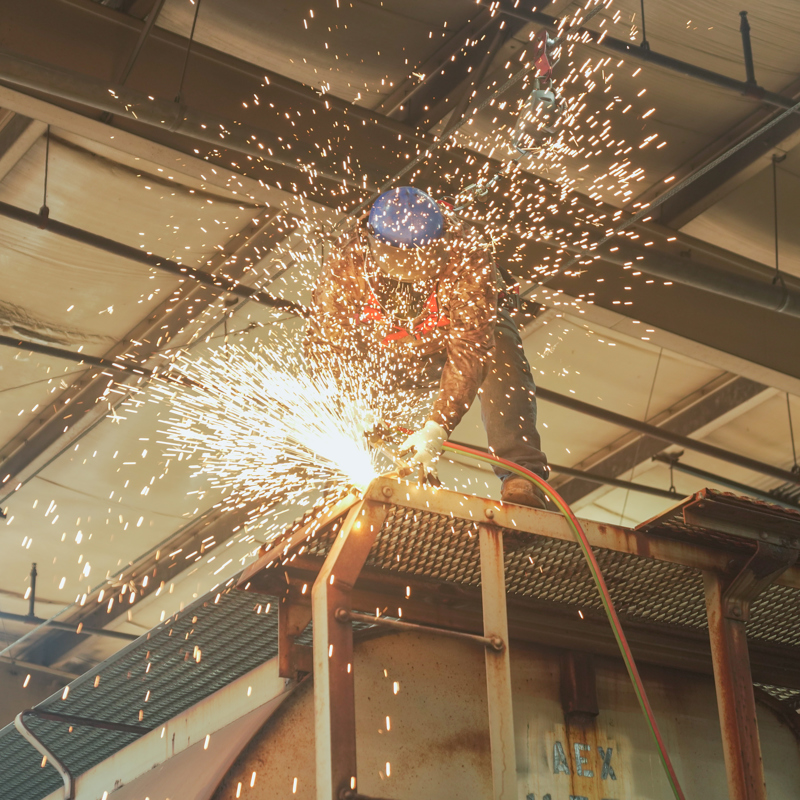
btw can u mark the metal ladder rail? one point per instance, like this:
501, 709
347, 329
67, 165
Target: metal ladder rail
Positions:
334, 691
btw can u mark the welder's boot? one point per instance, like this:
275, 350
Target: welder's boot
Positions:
522, 492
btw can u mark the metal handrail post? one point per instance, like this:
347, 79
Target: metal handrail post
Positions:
498, 664
334, 688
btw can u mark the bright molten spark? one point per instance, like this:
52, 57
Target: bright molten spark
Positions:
263, 431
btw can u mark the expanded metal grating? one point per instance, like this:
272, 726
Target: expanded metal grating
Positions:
225, 631
551, 570
775, 616
789, 697
437, 546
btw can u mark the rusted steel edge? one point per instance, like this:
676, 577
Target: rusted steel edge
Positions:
544, 523
527, 520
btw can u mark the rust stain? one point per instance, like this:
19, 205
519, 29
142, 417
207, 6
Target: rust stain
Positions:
474, 741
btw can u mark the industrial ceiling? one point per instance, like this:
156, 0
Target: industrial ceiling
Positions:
363, 87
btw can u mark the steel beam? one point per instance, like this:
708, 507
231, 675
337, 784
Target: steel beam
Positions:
181, 166
690, 202
396, 103
334, 689
737, 709
728, 602
293, 659
527, 520
498, 664
78, 629
684, 418
18, 134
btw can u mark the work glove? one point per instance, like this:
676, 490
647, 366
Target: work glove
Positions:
425, 447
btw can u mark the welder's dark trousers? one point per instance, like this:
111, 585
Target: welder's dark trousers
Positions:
508, 400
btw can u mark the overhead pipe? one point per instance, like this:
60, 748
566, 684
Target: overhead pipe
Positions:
218, 282
176, 118
673, 462
747, 50
775, 296
32, 598
594, 477
630, 50
666, 436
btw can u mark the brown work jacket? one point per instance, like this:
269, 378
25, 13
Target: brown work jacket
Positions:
343, 324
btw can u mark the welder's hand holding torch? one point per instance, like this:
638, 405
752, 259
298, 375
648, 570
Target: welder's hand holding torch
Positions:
425, 446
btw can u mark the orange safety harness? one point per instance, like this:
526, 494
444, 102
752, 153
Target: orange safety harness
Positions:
430, 319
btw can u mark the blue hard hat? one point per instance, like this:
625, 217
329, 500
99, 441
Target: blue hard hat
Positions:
406, 217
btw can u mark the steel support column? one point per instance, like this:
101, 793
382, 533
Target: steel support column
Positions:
334, 689
498, 664
728, 609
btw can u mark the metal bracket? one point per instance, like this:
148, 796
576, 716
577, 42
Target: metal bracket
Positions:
766, 564
293, 658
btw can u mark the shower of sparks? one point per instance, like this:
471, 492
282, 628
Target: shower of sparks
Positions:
255, 426
262, 430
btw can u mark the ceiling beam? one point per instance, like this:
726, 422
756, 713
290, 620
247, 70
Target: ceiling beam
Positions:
628, 49
397, 104
18, 134
99, 34
710, 188
143, 153
454, 94
686, 417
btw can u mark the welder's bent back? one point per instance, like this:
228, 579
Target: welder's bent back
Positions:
357, 309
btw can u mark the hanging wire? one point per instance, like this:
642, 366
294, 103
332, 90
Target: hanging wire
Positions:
179, 96
795, 468
775, 160
641, 438
645, 45
44, 211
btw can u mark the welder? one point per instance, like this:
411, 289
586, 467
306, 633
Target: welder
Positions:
412, 294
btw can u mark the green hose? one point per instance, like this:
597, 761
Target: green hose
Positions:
608, 605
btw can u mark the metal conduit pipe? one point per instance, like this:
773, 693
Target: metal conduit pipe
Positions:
666, 436
772, 296
593, 477
218, 282
631, 50
60, 766
178, 118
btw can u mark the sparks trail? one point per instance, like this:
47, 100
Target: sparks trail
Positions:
261, 429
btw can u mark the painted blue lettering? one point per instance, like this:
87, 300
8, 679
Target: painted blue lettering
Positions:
559, 759
608, 770
580, 760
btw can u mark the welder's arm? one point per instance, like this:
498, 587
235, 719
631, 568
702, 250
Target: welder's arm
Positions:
473, 315
333, 310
